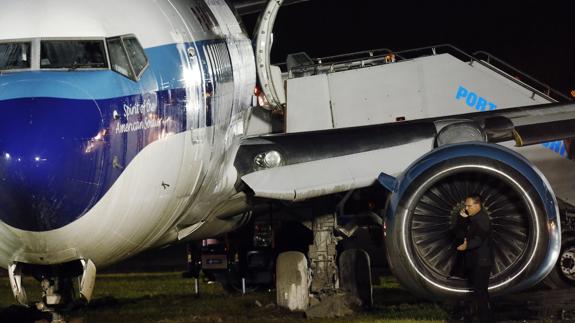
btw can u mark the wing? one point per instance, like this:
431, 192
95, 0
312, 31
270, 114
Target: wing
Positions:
336, 160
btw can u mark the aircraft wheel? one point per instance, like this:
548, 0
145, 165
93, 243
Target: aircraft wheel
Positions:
292, 281
355, 275
563, 275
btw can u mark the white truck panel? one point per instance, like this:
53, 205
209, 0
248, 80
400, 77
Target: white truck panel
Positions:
424, 87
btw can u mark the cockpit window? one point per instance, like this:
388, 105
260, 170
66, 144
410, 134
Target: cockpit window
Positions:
73, 54
15, 55
122, 54
136, 54
118, 58
127, 56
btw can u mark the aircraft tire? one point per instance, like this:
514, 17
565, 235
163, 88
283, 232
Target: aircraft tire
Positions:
355, 275
563, 274
292, 281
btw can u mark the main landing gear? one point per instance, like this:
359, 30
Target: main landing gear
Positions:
324, 281
314, 248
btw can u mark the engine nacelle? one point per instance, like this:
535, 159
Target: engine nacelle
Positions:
425, 201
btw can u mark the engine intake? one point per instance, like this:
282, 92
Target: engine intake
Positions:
425, 201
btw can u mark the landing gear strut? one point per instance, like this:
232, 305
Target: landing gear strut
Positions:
57, 294
325, 285
349, 284
322, 256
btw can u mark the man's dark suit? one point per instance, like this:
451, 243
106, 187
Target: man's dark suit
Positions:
478, 260
459, 232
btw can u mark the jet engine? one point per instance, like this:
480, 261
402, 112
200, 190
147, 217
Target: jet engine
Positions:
426, 199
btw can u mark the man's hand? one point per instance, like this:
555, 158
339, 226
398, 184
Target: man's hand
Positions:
463, 213
463, 246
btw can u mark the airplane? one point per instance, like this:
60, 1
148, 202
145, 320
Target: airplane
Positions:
132, 125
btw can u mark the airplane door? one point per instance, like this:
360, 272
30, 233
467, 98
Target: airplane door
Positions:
264, 40
187, 35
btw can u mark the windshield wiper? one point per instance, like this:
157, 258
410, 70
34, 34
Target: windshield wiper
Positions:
76, 66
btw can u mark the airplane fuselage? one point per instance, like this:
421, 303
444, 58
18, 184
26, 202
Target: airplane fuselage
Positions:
126, 126
115, 115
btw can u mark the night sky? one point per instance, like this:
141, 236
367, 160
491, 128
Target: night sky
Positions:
538, 39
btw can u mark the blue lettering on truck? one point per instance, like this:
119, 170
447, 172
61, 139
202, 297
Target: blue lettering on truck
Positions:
473, 100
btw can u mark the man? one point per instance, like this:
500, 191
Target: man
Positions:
478, 254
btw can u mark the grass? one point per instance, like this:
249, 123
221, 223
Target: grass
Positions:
168, 298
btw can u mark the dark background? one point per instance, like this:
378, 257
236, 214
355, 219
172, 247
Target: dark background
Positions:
535, 37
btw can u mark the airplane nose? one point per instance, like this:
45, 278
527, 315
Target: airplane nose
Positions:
51, 158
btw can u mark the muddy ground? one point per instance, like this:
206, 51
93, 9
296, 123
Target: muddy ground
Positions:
169, 298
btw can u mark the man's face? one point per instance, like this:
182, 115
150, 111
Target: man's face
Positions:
472, 207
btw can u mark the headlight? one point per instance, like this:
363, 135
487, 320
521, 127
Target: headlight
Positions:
270, 159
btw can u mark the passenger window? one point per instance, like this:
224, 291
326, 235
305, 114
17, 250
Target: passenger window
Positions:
118, 58
73, 54
14, 55
127, 56
136, 54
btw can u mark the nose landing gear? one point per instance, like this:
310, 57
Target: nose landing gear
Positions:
58, 285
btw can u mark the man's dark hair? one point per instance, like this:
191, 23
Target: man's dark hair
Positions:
475, 197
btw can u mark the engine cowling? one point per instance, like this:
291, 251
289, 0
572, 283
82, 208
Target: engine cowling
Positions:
425, 201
